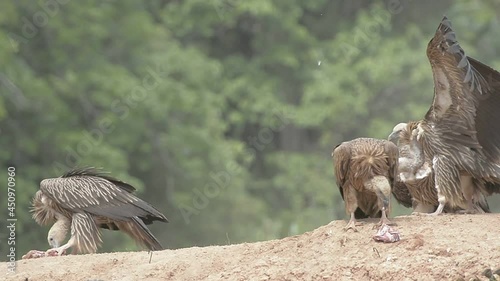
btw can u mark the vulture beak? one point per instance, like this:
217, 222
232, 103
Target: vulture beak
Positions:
394, 137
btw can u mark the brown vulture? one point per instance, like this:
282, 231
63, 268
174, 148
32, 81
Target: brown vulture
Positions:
365, 171
416, 176
452, 156
85, 200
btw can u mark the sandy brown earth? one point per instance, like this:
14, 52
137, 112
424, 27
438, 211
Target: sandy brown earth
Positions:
447, 247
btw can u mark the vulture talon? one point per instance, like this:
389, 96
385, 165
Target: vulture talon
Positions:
54, 252
352, 225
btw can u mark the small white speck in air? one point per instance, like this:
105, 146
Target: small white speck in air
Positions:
319, 63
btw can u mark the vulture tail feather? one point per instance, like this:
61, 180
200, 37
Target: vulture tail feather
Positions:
140, 233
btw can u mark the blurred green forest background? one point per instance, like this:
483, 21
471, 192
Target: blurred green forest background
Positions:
223, 113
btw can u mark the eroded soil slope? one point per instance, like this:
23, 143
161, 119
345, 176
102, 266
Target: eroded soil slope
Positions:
447, 247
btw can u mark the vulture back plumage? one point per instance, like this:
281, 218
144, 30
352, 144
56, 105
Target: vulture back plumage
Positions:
365, 170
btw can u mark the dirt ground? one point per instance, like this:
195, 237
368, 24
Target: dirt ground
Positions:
447, 247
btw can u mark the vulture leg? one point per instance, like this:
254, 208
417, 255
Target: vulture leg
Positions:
352, 224
351, 204
382, 188
447, 181
384, 219
438, 181
468, 192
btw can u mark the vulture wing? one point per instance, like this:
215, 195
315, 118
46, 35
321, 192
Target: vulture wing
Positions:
90, 171
457, 85
342, 160
342, 156
402, 194
488, 111
88, 192
466, 104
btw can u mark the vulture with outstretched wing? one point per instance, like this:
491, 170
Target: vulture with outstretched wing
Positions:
459, 137
84, 200
365, 170
416, 176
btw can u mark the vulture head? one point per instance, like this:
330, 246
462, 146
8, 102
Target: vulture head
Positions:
58, 232
412, 163
394, 136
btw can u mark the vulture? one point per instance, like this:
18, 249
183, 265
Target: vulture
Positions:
85, 200
416, 176
365, 170
450, 159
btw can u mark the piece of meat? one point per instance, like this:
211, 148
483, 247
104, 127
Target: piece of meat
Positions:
386, 234
35, 254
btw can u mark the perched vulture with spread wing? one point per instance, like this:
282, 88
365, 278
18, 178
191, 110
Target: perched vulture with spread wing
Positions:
456, 147
416, 176
365, 170
85, 200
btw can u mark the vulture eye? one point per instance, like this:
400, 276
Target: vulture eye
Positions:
51, 239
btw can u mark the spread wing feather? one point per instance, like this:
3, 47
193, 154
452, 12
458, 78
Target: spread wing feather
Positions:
466, 104
488, 110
